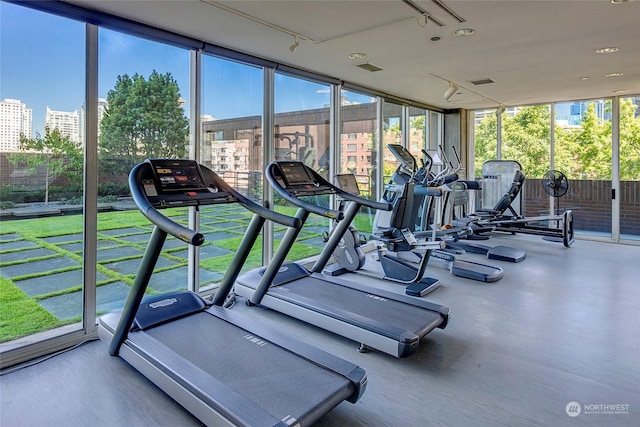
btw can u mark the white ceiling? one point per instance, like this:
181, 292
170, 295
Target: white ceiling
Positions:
535, 51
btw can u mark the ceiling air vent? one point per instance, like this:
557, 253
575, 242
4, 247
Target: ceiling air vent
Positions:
369, 67
482, 82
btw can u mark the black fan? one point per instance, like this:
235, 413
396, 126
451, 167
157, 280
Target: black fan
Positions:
555, 184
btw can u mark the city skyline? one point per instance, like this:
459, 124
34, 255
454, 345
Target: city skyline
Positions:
52, 75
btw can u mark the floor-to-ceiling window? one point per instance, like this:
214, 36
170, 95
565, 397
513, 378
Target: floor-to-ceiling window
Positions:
629, 137
583, 152
392, 133
144, 92
42, 142
357, 149
232, 146
302, 132
583, 141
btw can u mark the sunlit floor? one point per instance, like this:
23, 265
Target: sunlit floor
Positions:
562, 326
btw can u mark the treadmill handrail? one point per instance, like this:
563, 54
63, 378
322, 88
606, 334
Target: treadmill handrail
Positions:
184, 233
320, 182
169, 226
268, 214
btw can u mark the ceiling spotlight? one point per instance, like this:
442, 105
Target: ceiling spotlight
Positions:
614, 75
607, 50
464, 32
295, 44
357, 55
450, 91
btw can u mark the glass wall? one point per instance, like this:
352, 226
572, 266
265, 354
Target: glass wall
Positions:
357, 149
630, 168
143, 110
302, 132
583, 141
418, 125
392, 133
143, 88
231, 145
42, 145
583, 152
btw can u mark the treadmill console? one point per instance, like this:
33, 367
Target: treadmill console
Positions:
178, 182
347, 182
403, 156
298, 179
177, 175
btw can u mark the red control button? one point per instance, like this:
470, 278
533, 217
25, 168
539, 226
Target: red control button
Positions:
192, 193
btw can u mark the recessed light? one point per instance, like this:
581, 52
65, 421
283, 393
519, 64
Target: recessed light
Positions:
607, 50
619, 91
464, 32
614, 75
620, 1
584, 78
357, 55
435, 38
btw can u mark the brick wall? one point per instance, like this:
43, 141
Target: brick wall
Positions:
591, 204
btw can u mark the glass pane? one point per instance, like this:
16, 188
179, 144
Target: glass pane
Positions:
392, 134
630, 168
302, 132
41, 150
583, 154
143, 88
232, 103
485, 138
526, 138
418, 127
357, 148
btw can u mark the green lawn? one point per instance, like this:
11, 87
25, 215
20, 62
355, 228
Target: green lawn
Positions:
122, 238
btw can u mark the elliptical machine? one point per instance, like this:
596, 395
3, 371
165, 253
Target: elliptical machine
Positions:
349, 256
419, 207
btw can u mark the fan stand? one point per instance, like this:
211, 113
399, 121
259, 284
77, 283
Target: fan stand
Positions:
555, 184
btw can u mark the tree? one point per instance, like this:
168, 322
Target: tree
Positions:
486, 142
527, 139
629, 141
56, 152
582, 152
144, 119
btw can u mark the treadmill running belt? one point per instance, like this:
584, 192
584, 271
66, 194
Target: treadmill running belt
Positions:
395, 313
250, 366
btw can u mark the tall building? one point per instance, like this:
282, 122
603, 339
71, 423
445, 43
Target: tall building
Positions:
102, 107
15, 119
68, 123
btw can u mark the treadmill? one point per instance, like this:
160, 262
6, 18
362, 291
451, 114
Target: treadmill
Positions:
220, 365
377, 319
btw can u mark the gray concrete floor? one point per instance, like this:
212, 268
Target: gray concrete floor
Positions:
562, 326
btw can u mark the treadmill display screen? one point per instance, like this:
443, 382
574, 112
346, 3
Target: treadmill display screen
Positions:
177, 175
347, 182
403, 156
295, 173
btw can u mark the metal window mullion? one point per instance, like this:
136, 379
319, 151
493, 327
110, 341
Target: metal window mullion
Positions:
335, 125
268, 119
615, 168
195, 85
552, 146
90, 216
379, 148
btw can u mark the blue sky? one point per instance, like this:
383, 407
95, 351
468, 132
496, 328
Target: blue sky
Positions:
42, 65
